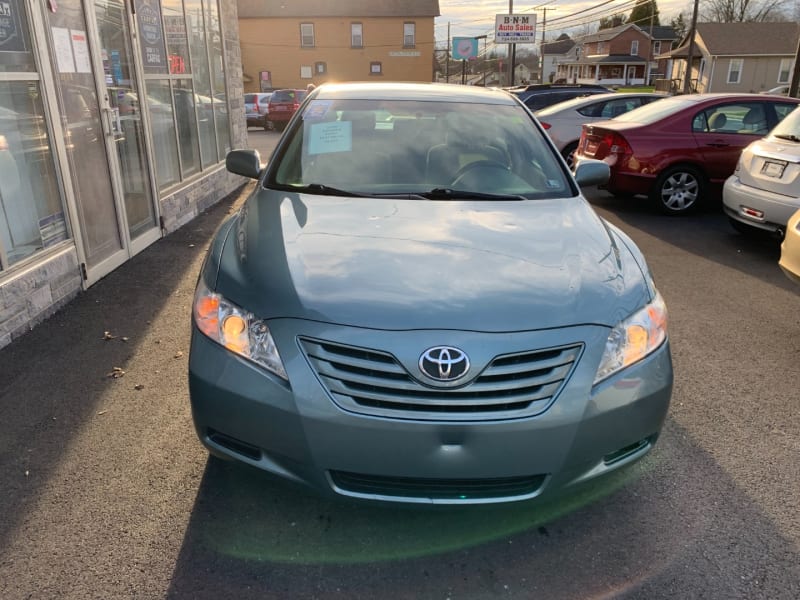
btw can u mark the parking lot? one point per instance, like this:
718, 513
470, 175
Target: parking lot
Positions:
107, 493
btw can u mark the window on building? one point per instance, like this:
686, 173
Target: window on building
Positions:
634, 47
31, 209
656, 47
306, 72
307, 35
186, 94
320, 68
785, 70
735, 70
375, 68
600, 47
409, 35
356, 35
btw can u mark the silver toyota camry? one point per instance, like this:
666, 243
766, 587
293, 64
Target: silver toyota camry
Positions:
416, 304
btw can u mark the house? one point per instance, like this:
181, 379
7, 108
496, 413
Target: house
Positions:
738, 57
662, 40
555, 53
615, 56
291, 44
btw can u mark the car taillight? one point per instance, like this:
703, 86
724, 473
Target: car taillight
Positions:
545, 125
616, 144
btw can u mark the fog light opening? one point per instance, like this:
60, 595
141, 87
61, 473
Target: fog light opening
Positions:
627, 451
238, 446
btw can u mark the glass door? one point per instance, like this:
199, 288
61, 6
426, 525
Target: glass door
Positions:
124, 109
102, 121
99, 218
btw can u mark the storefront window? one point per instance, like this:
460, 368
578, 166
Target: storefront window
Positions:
31, 213
31, 209
194, 87
184, 99
15, 46
165, 140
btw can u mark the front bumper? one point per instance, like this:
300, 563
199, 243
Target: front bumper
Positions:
777, 209
297, 431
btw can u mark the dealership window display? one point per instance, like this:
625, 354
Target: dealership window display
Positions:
181, 50
31, 209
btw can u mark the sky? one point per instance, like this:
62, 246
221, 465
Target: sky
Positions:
471, 18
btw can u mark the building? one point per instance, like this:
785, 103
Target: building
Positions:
291, 44
554, 54
662, 40
115, 119
737, 57
624, 55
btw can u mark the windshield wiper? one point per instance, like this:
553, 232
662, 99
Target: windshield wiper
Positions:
787, 136
451, 194
321, 189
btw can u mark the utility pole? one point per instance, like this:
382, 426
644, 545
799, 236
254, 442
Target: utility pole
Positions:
796, 74
687, 80
447, 57
513, 49
541, 50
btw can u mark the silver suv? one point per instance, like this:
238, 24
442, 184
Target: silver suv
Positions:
256, 108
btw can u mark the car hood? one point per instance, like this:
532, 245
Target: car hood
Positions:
419, 264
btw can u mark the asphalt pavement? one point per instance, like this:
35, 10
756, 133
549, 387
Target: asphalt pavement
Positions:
105, 491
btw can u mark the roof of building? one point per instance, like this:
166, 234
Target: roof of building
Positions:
561, 46
607, 34
745, 39
660, 32
249, 9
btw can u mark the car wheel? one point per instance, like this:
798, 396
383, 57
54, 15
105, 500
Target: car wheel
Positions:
569, 154
679, 190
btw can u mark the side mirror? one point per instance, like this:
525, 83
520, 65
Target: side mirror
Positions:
591, 172
244, 162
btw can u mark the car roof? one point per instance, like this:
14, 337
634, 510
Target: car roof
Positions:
442, 92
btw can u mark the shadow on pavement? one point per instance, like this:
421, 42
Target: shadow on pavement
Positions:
56, 388
251, 536
705, 233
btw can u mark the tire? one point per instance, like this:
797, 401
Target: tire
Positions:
569, 154
679, 190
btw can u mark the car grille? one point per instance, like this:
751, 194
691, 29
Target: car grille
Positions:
437, 489
373, 382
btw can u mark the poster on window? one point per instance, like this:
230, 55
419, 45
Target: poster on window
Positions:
151, 35
11, 38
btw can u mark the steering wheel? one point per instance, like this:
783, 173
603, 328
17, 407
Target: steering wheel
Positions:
479, 164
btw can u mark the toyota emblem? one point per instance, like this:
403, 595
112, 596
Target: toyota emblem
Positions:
444, 363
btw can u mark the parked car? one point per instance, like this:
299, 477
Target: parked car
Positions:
781, 90
764, 190
256, 108
563, 121
540, 95
425, 312
680, 150
790, 249
283, 105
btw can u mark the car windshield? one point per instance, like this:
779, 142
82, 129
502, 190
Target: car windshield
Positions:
655, 111
283, 96
434, 149
789, 128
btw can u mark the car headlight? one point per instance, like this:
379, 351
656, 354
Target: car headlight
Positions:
236, 329
634, 338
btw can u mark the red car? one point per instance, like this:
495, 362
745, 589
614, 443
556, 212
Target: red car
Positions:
680, 149
282, 105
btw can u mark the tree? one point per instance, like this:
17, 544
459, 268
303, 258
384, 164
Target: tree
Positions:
737, 11
613, 21
642, 13
679, 25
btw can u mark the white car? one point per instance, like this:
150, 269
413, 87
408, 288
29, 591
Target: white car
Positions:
563, 121
764, 190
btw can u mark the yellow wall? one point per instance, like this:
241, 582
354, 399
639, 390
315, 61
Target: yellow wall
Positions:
274, 45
